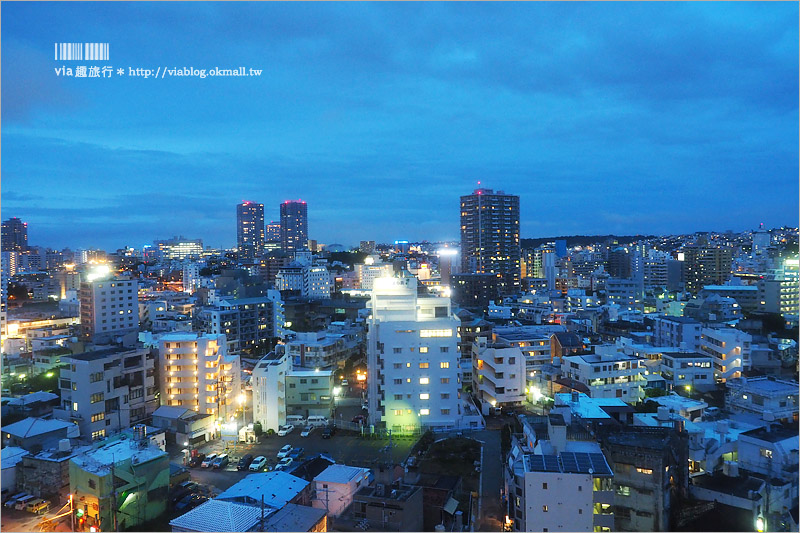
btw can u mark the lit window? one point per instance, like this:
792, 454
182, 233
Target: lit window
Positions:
423, 349
766, 453
544, 508
423, 381
436, 333
424, 396
424, 412
647, 471
424, 365
444, 364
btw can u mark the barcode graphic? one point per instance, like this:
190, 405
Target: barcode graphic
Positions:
81, 51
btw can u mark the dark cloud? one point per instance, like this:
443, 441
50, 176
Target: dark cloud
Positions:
631, 117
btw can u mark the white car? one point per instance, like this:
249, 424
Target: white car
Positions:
284, 463
307, 431
285, 430
284, 451
258, 463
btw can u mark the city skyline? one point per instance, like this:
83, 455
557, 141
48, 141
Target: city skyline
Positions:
598, 126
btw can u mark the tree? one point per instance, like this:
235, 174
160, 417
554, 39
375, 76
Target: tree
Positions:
654, 393
505, 439
257, 429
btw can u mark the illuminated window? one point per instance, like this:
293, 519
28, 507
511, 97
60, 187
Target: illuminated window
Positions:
424, 365
544, 508
444, 365
423, 381
424, 412
398, 412
436, 333
423, 349
424, 396
647, 471
766, 453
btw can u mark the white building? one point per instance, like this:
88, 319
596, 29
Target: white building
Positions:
677, 332
335, 487
625, 293
770, 451
245, 322
109, 309
612, 375
368, 273
498, 373
313, 281
687, 370
108, 390
322, 349
412, 357
191, 277
766, 397
197, 373
269, 390
557, 489
729, 349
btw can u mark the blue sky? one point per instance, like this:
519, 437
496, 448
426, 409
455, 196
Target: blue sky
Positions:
604, 118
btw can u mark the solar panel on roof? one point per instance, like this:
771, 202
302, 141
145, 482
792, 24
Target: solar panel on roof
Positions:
551, 463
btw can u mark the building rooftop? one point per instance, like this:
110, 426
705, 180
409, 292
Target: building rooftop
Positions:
775, 433
99, 460
764, 385
738, 486
304, 372
294, 518
751, 288
179, 336
11, 455
569, 463
679, 403
34, 397
100, 354
277, 488
341, 474
32, 427
399, 493
217, 515
679, 319
589, 408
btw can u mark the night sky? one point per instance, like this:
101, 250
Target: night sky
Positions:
627, 118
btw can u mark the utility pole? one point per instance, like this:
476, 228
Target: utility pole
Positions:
71, 513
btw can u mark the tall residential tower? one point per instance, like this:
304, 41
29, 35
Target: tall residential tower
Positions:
249, 229
490, 235
294, 225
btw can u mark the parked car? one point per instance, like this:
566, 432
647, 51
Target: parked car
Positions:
38, 506
258, 463
221, 461
284, 463
197, 460
12, 501
283, 452
190, 501
180, 491
285, 430
328, 432
23, 502
210, 458
307, 431
244, 462
344, 383
296, 453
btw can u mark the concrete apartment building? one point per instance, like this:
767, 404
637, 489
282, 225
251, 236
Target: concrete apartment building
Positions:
197, 373
245, 322
612, 375
768, 398
729, 349
109, 309
412, 358
498, 373
687, 370
106, 391
678, 332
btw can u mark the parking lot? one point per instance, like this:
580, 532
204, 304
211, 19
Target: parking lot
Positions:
344, 447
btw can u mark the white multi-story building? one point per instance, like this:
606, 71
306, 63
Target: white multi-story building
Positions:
687, 370
498, 373
197, 373
106, 391
245, 322
560, 485
766, 397
729, 349
625, 293
412, 357
109, 309
612, 375
677, 332
321, 349
368, 273
269, 389
191, 277
313, 281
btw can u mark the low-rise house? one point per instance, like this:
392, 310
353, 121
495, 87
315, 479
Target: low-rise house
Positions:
768, 398
36, 434
336, 485
184, 425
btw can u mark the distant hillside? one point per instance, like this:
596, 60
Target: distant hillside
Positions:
583, 240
